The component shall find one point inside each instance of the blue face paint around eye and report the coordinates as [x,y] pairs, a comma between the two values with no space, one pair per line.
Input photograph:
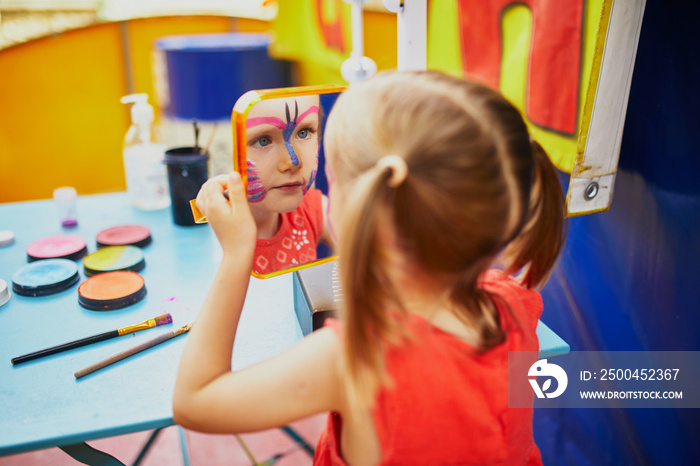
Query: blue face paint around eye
[306,188]
[288,131]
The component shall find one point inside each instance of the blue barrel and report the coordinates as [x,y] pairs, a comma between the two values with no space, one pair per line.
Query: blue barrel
[207,73]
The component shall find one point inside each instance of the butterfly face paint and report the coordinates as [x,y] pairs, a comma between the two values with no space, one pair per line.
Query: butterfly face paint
[288,128]
[282,143]
[256,190]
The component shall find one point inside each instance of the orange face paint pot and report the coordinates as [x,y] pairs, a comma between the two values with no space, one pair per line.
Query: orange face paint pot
[111,290]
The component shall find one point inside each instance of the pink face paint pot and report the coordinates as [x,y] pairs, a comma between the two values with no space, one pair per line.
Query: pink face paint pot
[112,258]
[45,277]
[111,290]
[124,235]
[65,246]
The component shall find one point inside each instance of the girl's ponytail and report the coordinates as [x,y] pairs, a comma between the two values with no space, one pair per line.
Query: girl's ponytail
[365,288]
[535,249]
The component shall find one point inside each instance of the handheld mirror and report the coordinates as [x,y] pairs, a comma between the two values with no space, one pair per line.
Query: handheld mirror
[278,150]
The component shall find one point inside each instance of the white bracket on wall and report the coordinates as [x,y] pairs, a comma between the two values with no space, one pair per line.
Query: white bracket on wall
[357,67]
[412,32]
[593,176]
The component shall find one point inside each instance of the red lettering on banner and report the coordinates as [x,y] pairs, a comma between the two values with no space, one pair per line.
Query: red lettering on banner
[332,33]
[554,61]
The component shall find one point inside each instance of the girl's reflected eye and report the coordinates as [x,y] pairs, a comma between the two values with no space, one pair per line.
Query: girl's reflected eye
[262,141]
[305,133]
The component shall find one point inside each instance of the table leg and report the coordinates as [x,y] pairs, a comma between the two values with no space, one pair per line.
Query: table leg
[85,454]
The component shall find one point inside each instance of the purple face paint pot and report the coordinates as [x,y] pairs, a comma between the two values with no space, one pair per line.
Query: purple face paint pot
[112,258]
[111,290]
[124,235]
[45,277]
[65,199]
[66,246]
[187,172]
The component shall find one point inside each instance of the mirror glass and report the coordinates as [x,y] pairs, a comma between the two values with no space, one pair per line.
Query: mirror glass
[279,152]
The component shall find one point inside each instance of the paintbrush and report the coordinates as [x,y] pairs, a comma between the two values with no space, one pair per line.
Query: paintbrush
[205,149]
[196,136]
[134,350]
[150,323]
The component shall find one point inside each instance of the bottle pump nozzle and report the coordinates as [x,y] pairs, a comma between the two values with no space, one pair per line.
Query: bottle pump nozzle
[141,111]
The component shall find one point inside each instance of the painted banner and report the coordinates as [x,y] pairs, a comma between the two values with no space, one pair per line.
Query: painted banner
[567,65]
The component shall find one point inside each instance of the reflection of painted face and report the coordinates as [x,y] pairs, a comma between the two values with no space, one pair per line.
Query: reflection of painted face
[282,151]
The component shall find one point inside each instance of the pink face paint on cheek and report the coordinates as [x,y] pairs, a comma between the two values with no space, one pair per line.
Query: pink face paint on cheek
[256,190]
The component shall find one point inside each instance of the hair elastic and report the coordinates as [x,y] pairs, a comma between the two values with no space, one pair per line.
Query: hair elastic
[399,169]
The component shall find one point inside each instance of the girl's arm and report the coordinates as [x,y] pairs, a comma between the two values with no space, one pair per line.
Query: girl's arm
[208,396]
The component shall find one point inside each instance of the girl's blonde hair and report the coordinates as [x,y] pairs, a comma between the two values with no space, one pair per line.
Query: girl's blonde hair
[475,189]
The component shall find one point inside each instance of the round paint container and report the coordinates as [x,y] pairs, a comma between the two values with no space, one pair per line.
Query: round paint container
[5,294]
[112,258]
[45,277]
[7,237]
[111,290]
[65,246]
[124,235]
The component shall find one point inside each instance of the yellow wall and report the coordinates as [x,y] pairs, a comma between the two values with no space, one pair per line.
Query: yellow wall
[61,122]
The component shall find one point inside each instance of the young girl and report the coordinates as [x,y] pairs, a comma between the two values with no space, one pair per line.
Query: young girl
[432,179]
[282,156]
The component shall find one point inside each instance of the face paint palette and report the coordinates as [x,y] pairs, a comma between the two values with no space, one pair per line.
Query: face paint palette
[111,290]
[124,235]
[113,258]
[65,246]
[45,277]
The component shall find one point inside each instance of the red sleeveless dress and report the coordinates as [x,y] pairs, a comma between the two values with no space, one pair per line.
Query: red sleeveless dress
[449,405]
[296,240]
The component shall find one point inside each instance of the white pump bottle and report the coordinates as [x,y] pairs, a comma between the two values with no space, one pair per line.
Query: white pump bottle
[146,175]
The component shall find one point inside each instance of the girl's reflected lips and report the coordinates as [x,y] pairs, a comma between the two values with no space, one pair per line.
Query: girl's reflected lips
[289,187]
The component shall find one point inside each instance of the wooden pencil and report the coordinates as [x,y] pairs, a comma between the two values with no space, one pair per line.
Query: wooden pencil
[136,349]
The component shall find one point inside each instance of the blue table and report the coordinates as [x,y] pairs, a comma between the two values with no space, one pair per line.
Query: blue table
[41,403]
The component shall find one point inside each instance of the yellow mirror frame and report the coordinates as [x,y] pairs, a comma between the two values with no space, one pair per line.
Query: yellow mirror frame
[239,116]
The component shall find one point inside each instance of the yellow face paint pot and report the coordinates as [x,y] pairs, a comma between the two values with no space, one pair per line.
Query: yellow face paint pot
[113,258]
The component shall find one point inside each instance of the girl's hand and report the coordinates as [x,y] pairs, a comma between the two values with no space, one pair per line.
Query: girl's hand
[231,219]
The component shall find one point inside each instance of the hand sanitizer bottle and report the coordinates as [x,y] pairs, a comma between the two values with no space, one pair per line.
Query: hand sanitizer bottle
[146,175]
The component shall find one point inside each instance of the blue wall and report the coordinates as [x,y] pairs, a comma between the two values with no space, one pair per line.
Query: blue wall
[629,278]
